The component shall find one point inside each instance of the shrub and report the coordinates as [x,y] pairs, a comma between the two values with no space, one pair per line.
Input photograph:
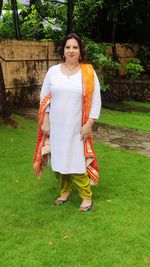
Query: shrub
[105,66]
[133,68]
[7,28]
[111,68]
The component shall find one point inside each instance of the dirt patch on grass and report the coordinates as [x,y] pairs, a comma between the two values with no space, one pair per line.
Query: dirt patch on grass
[123,137]
[112,135]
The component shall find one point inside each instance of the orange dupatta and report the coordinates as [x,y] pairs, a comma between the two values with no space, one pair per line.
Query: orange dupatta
[87,92]
[40,160]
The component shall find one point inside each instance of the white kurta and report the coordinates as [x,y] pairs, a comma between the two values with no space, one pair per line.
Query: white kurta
[65,113]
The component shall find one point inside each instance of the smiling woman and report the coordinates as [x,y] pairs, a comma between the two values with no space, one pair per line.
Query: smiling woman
[71,57]
[70,102]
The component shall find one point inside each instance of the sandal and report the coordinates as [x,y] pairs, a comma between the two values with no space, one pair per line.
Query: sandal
[60,202]
[88,208]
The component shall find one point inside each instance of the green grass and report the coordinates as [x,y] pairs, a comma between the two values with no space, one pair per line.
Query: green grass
[138,104]
[36,233]
[134,120]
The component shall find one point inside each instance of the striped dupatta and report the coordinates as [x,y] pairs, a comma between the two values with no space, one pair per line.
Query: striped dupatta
[40,159]
[87,92]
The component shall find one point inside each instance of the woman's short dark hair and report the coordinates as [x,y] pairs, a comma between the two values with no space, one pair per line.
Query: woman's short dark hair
[80,43]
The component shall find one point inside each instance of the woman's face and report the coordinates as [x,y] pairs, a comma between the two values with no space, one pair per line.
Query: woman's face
[72,51]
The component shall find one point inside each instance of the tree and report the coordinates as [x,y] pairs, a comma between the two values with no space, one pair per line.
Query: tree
[101,20]
[3,105]
[1,5]
[2,85]
[70,16]
[16,18]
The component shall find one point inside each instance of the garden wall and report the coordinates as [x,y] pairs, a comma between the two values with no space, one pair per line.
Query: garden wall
[122,89]
[124,53]
[24,65]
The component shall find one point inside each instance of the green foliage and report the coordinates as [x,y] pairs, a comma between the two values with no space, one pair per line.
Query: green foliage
[103,84]
[117,7]
[134,14]
[55,16]
[87,19]
[32,25]
[96,53]
[98,56]
[133,68]
[111,68]
[7,30]
[85,15]
[54,34]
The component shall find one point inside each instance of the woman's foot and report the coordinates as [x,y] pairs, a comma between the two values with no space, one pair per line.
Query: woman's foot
[63,198]
[92,183]
[86,205]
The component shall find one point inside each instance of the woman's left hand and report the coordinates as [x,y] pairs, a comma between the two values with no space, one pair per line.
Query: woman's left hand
[86,130]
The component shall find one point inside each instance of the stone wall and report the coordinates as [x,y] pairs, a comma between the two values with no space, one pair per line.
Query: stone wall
[24,65]
[121,89]
[124,53]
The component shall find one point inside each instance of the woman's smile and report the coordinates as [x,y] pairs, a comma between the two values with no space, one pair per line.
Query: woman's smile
[72,51]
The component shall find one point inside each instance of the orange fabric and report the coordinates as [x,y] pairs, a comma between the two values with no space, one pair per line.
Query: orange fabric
[91,163]
[88,87]
[39,161]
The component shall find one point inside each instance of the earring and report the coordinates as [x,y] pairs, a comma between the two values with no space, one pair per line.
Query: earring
[79,58]
[64,58]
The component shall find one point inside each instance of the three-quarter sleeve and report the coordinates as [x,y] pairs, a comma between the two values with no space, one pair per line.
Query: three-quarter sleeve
[96,99]
[46,87]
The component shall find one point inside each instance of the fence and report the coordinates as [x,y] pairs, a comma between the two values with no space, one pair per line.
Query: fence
[24,65]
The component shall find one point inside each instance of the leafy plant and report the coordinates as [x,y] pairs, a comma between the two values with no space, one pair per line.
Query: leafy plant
[7,30]
[98,56]
[133,68]
[32,26]
[103,84]
[96,52]
[111,68]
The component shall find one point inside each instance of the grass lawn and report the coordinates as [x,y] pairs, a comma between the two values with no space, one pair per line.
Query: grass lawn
[135,120]
[138,104]
[36,233]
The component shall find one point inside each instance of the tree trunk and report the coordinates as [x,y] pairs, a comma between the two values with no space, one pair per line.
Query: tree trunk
[1,6]
[70,16]
[16,18]
[114,51]
[5,112]
[3,105]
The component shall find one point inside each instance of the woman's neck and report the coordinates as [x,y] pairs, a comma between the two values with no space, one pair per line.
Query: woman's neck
[71,64]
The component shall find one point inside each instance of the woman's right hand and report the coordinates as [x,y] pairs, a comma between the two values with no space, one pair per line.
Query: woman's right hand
[46,125]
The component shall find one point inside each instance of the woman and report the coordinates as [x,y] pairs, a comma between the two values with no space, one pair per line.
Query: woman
[70,102]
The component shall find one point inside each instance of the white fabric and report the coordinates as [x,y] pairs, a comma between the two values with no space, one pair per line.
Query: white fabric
[65,113]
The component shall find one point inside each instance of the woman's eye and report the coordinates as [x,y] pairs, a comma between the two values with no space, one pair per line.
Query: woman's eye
[74,47]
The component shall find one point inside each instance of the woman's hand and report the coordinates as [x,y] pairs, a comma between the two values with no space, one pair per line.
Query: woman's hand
[46,125]
[86,130]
